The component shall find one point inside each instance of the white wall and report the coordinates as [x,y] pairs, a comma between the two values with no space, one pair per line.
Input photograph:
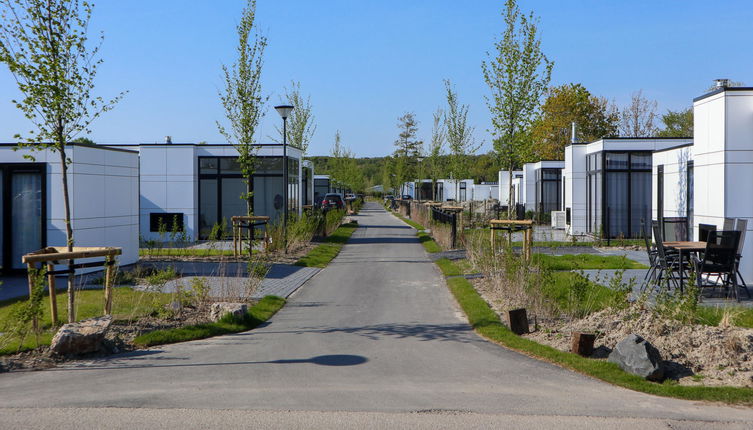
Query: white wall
[528,186]
[675,162]
[504,184]
[485,191]
[574,175]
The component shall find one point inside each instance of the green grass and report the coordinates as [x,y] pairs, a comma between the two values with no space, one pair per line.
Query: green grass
[586,261]
[257,314]
[425,238]
[327,251]
[185,252]
[557,244]
[486,322]
[448,268]
[741,316]
[127,304]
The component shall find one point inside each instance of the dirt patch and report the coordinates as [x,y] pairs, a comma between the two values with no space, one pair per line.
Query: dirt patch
[119,339]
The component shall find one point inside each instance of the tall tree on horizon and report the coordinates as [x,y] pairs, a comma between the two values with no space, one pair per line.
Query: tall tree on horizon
[677,123]
[638,119]
[436,148]
[407,147]
[242,98]
[44,43]
[518,75]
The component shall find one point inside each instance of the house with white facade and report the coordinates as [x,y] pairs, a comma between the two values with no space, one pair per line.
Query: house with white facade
[503,187]
[201,185]
[103,188]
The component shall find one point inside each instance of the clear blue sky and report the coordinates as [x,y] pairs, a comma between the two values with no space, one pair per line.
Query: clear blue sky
[364,63]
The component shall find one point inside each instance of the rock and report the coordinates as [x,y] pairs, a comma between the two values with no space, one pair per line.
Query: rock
[81,337]
[637,356]
[218,310]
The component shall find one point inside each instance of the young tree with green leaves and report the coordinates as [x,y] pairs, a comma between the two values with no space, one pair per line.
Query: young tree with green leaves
[435,166]
[459,135]
[44,44]
[407,147]
[242,98]
[518,75]
[677,123]
[301,127]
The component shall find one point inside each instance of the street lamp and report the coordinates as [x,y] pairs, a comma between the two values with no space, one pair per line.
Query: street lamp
[284,111]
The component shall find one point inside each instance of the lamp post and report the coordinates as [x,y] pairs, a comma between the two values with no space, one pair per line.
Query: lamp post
[284,111]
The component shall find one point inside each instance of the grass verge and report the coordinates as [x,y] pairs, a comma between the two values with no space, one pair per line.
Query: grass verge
[586,261]
[425,238]
[257,314]
[126,304]
[185,252]
[486,322]
[327,251]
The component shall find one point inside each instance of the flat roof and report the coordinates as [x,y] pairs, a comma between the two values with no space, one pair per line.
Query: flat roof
[674,147]
[721,90]
[84,145]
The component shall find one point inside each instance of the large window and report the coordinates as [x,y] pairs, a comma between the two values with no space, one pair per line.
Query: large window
[221,190]
[619,193]
[548,186]
[23,213]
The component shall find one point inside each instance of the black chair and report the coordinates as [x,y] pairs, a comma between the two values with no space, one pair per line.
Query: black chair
[720,259]
[741,225]
[704,230]
[675,229]
[652,257]
[729,224]
[667,264]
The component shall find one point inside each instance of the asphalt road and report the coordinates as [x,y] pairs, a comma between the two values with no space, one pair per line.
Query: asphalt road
[375,340]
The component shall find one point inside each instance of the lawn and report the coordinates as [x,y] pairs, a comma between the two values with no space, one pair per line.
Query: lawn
[126,304]
[327,251]
[585,261]
[186,252]
[425,238]
[257,314]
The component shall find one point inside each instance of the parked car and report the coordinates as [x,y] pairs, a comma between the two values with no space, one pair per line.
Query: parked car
[333,201]
[350,197]
[407,197]
[389,198]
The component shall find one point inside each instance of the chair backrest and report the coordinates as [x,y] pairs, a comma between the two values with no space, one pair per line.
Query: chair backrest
[729,224]
[659,243]
[675,229]
[721,250]
[741,226]
[646,234]
[704,230]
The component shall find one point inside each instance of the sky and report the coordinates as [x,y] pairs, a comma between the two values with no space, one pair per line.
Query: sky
[366,62]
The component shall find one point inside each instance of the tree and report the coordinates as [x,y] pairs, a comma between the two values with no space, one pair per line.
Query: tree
[566,104]
[242,99]
[459,135]
[638,118]
[407,147]
[301,127]
[44,45]
[518,75]
[677,123]
[436,148]
[344,167]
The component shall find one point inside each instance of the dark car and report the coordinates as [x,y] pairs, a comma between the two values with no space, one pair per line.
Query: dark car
[333,201]
[407,197]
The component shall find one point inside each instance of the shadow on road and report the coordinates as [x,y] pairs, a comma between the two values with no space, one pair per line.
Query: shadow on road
[424,332]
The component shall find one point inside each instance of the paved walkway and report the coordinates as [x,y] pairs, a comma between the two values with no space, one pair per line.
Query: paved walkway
[374,340]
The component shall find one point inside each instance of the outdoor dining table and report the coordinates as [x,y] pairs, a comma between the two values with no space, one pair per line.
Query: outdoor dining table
[685,246]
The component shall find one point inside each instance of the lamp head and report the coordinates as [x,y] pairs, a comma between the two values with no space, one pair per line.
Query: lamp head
[284,110]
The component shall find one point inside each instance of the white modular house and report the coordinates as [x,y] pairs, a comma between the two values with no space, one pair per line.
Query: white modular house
[607,185]
[103,186]
[708,180]
[307,183]
[200,185]
[503,189]
[539,188]
[485,191]
[322,186]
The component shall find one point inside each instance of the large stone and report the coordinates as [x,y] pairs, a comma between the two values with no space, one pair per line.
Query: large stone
[219,310]
[637,356]
[81,337]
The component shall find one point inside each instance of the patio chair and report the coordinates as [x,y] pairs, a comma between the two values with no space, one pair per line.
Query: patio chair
[720,259]
[729,224]
[741,225]
[675,229]
[652,257]
[667,264]
[704,230]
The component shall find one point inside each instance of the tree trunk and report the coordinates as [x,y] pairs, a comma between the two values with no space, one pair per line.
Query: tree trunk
[509,193]
[68,228]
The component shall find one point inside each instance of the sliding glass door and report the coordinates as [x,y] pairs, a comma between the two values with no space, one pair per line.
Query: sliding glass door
[23,212]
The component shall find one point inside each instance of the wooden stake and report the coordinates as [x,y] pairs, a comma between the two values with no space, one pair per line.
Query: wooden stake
[108,286]
[53,295]
[517,319]
[582,343]
[30,267]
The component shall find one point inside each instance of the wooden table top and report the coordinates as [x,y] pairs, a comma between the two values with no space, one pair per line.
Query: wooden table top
[686,245]
[511,222]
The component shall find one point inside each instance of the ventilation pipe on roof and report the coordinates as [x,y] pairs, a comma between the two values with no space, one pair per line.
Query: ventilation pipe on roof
[168,140]
[573,139]
[721,83]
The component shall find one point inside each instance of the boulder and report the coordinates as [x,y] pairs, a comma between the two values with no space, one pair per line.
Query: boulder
[81,337]
[218,310]
[637,356]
